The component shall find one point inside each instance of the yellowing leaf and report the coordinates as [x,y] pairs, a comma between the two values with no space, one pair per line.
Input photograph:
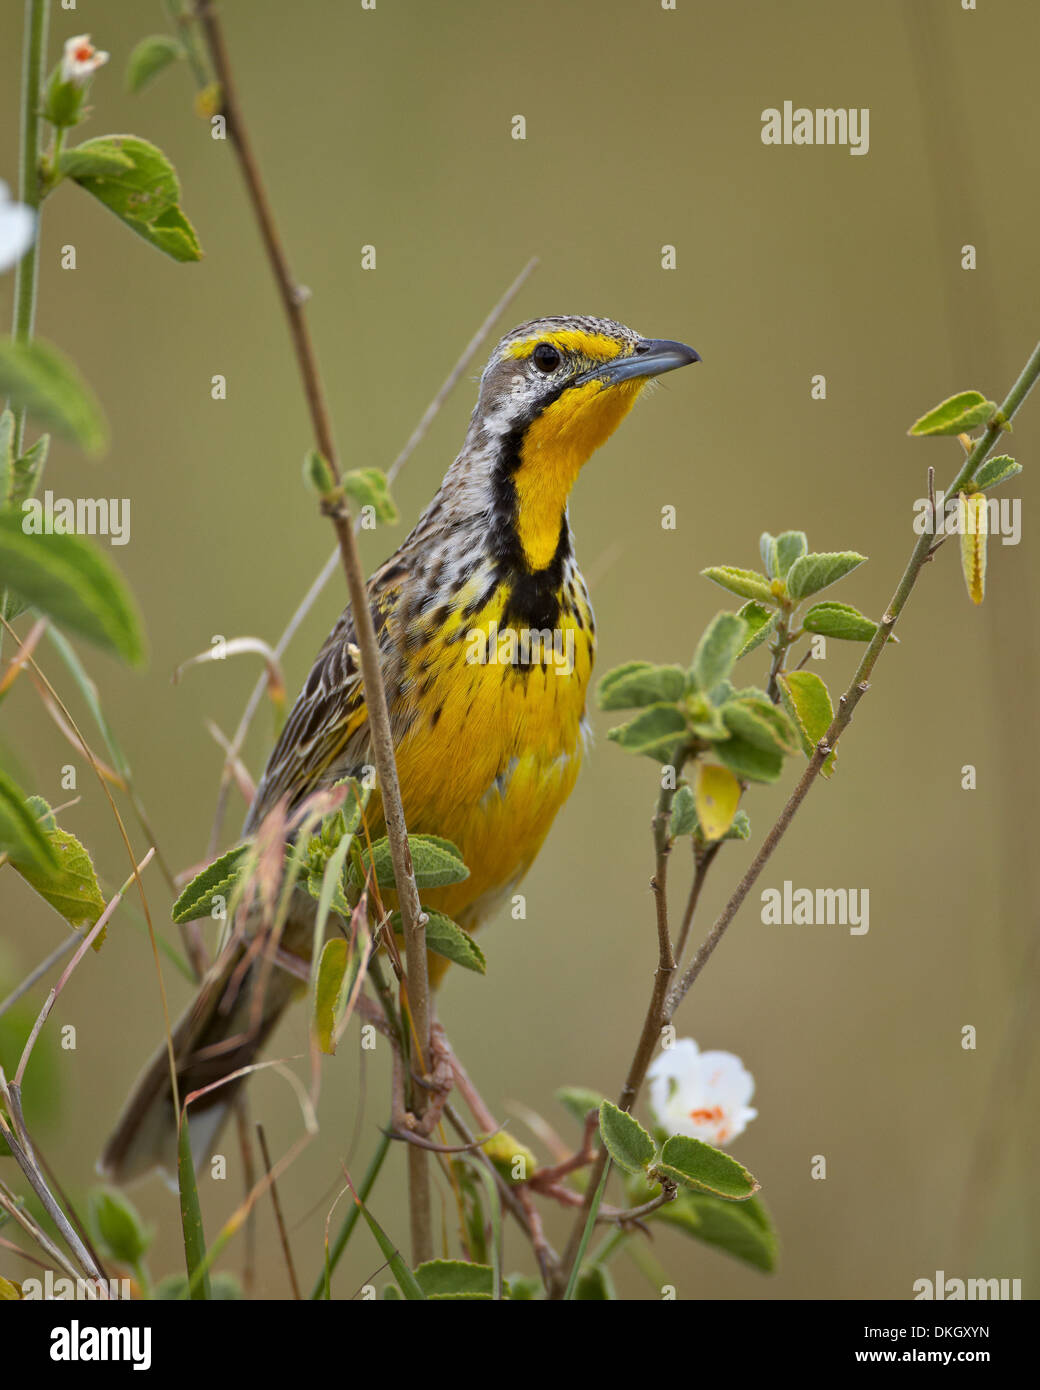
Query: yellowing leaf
[808,702]
[716,794]
[331,973]
[973,523]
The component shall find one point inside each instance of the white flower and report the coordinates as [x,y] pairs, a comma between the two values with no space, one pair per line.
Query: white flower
[702,1094]
[17,229]
[80,60]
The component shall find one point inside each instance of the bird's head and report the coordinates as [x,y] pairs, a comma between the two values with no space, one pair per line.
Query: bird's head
[554,390]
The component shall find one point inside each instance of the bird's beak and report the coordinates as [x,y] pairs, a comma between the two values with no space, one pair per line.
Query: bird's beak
[651,357]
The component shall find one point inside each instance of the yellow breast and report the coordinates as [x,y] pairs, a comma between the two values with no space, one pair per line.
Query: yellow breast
[495,744]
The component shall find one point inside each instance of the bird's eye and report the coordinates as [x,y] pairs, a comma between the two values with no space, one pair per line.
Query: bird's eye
[546,358]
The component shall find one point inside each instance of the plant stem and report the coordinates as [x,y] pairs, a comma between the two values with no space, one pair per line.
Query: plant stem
[858,686]
[412,918]
[34,56]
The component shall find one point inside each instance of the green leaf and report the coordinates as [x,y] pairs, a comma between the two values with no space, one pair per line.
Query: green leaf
[71,888]
[445,938]
[749,761]
[759,722]
[811,573]
[627,1142]
[27,470]
[7,428]
[87,161]
[149,58]
[640,683]
[741,1229]
[191,1217]
[997,470]
[718,650]
[116,1226]
[436,862]
[368,487]
[790,546]
[216,880]
[767,549]
[594,1285]
[839,620]
[746,583]
[955,415]
[41,380]
[69,581]
[455,1279]
[653,733]
[684,813]
[808,701]
[579,1100]
[740,829]
[21,837]
[523,1288]
[692,1163]
[332,969]
[760,624]
[145,197]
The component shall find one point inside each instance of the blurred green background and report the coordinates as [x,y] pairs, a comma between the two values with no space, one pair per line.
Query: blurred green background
[392,128]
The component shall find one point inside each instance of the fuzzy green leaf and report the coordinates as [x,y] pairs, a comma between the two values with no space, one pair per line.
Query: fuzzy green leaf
[579,1100]
[965,411]
[759,722]
[808,701]
[839,620]
[22,837]
[41,380]
[640,683]
[332,969]
[718,650]
[455,1279]
[811,573]
[997,470]
[684,813]
[627,1142]
[216,880]
[654,733]
[116,1226]
[790,546]
[368,487]
[68,580]
[145,197]
[749,761]
[746,583]
[741,1229]
[93,161]
[71,888]
[27,470]
[436,862]
[149,58]
[760,624]
[446,938]
[767,549]
[594,1285]
[694,1164]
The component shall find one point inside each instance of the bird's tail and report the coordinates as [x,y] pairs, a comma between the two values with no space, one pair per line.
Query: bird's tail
[238,1003]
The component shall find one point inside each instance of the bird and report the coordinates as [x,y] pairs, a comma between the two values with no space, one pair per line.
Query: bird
[488,733]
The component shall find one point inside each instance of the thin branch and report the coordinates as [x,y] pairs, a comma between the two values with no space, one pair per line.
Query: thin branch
[332,563]
[859,684]
[276,1203]
[336,507]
